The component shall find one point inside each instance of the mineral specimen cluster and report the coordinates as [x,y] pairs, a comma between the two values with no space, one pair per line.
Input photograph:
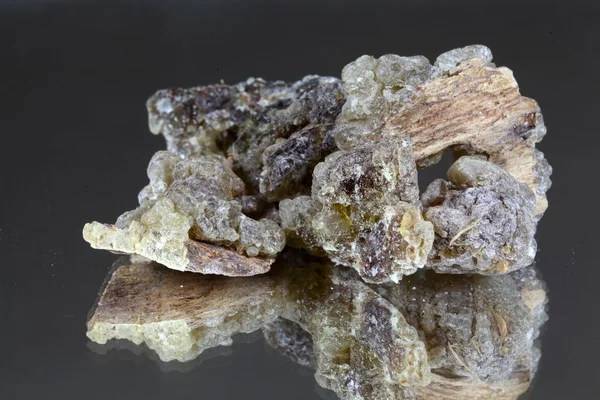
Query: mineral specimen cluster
[308,193]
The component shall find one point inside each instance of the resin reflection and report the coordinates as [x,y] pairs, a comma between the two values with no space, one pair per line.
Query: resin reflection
[430,336]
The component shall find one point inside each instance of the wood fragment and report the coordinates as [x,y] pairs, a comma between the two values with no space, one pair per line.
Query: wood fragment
[477,108]
[211,259]
[500,323]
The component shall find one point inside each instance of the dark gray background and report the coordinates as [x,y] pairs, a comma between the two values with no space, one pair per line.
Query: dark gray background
[75,144]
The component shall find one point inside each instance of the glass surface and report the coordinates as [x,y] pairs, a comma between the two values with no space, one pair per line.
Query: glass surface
[75,78]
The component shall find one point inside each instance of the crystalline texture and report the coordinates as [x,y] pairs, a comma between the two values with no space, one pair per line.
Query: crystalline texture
[480,333]
[483,218]
[450,59]
[288,164]
[188,201]
[365,211]
[245,119]
[374,87]
[156,231]
[330,166]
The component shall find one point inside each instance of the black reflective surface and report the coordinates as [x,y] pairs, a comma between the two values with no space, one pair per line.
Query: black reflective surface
[75,77]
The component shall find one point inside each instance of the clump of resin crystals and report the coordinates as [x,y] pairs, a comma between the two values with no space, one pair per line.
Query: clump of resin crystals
[330,165]
[365,211]
[388,292]
[190,200]
[484,219]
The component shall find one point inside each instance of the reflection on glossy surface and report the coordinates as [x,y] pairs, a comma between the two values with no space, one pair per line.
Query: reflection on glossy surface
[479,331]
[431,336]
[179,315]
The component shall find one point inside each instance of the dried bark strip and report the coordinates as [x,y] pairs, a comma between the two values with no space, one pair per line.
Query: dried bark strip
[479,108]
[211,259]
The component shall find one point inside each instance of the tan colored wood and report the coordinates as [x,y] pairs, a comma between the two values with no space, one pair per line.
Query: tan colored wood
[479,108]
[210,259]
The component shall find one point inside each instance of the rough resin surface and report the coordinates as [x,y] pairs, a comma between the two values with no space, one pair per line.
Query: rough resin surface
[389,292]
[462,102]
[330,165]
[365,212]
[188,203]
[252,121]
[474,326]
[484,219]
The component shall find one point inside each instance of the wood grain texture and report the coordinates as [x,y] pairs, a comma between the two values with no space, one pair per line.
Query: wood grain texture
[179,314]
[145,292]
[479,109]
[210,259]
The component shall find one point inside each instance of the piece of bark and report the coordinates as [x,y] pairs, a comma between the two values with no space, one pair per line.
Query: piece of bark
[477,108]
[179,315]
[210,259]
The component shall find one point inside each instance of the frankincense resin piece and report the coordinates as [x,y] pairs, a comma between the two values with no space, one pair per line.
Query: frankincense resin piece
[190,219]
[365,212]
[461,102]
[484,219]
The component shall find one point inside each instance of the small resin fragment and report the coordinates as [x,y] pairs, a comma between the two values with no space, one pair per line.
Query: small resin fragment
[450,59]
[484,219]
[288,164]
[296,220]
[364,349]
[189,205]
[179,315]
[364,212]
[156,231]
[244,120]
